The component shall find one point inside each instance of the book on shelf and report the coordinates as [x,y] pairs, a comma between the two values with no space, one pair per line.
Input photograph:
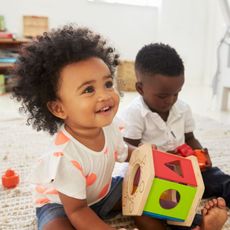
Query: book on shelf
[7,82]
[2,84]
[7,56]
[7,60]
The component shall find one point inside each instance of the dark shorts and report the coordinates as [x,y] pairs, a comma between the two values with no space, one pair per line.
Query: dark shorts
[103,208]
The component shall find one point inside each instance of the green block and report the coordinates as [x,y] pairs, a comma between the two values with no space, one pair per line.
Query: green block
[180,211]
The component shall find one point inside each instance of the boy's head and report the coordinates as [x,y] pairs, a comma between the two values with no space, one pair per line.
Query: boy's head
[73,57]
[160,76]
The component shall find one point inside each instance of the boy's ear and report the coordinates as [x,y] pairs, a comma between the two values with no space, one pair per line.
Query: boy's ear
[56,108]
[139,87]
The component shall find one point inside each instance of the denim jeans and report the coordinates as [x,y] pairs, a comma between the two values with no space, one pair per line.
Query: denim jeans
[216,184]
[103,208]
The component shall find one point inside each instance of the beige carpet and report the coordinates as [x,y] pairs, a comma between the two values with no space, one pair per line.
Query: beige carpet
[20,145]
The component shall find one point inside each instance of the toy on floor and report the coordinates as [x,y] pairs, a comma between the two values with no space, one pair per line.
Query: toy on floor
[162,185]
[10,179]
[201,154]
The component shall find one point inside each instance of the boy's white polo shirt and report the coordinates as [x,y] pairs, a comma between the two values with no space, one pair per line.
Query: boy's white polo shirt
[140,123]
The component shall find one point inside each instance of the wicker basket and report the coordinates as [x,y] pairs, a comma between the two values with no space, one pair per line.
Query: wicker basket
[34,25]
[126,76]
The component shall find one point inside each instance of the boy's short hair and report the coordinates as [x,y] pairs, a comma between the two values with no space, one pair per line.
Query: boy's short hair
[39,64]
[158,58]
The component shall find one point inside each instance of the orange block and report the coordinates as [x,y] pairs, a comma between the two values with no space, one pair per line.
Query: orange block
[10,179]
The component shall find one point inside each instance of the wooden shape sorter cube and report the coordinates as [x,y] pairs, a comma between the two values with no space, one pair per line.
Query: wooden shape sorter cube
[162,185]
[134,198]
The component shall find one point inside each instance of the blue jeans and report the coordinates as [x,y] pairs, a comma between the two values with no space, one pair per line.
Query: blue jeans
[104,208]
[216,184]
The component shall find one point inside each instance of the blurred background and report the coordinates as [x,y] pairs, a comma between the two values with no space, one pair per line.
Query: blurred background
[198,30]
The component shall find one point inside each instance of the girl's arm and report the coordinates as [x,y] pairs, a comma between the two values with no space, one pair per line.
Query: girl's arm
[81,216]
[132,145]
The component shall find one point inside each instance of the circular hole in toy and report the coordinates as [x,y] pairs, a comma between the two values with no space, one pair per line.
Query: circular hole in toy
[136,178]
[169,199]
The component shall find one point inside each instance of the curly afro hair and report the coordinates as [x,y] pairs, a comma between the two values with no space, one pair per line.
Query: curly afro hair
[40,63]
[158,58]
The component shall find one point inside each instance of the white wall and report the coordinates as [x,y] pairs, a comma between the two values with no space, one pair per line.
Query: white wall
[182,24]
[128,27]
[193,27]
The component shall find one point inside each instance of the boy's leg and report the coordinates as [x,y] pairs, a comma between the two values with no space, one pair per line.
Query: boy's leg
[216,184]
[196,222]
[214,215]
[149,223]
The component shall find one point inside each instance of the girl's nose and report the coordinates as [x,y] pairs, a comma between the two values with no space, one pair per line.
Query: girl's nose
[103,96]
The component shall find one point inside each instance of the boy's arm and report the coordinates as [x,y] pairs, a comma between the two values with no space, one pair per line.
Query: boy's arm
[81,216]
[132,142]
[192,141]
[195,144]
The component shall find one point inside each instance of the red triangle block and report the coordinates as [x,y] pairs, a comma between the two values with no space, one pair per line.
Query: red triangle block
[162,162]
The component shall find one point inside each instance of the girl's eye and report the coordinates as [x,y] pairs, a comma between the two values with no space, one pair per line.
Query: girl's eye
[89,89]
[109,84]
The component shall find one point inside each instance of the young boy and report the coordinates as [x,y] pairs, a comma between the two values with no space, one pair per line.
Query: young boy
[158,117]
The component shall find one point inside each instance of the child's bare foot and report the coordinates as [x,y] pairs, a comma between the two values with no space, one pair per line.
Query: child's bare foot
[214,215]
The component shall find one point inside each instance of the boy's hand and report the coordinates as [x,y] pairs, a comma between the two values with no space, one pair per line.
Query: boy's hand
[203,158]
[184,150]
[202,155]
[209,162]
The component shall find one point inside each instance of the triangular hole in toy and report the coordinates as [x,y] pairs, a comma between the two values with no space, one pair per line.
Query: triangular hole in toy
[175,166]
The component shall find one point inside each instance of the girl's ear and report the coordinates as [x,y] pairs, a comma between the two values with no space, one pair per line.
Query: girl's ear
[139,87]
[56,108]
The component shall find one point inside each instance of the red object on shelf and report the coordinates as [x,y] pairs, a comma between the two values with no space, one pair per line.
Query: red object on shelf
[5,35]
[10,179]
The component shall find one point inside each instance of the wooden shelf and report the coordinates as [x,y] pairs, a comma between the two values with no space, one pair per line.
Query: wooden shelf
[4,66]
[13,41]
[10,45]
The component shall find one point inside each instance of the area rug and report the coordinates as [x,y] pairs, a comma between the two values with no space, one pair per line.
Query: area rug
[20,145]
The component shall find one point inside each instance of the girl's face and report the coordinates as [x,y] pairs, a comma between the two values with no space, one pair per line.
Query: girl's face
[87,98]
[160,92]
